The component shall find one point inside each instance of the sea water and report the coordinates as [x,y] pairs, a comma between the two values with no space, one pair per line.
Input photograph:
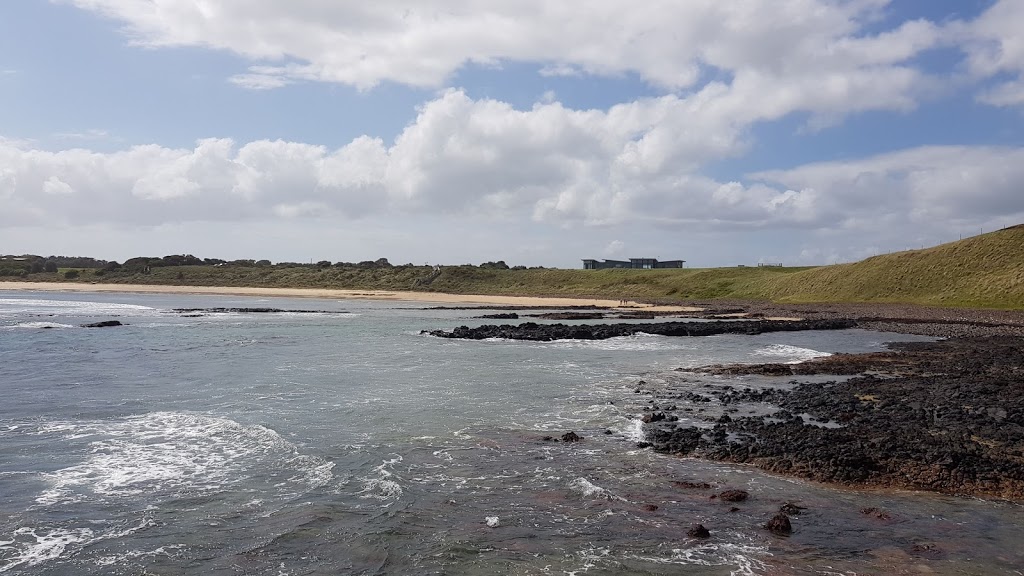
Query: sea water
[346,442]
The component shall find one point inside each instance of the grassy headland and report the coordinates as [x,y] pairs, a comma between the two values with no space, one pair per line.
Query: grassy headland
[984,271]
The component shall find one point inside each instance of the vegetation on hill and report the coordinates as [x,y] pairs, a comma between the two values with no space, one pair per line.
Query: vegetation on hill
[985,271]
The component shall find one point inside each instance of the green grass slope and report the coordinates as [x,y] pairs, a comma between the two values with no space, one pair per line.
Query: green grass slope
[984,271]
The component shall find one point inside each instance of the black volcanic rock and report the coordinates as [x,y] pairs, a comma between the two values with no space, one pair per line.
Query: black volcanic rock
[944,416]
[104,324]
[779,524]
[546,332]
[698,531]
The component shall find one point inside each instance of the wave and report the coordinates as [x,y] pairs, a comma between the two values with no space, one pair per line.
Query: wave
[743,558]
[790,354]
[171,454]
[41,325]
[634,343]
[31,546]
[382,487]
[70,307]
[589,489]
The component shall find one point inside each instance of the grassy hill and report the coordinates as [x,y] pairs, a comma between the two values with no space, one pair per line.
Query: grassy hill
[984,271]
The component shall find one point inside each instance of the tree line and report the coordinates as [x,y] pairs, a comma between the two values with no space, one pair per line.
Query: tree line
[26,264]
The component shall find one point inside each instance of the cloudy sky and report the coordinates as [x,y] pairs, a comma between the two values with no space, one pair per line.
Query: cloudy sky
[534,131]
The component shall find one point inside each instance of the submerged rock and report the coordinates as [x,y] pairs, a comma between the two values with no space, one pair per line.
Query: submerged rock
[571,437]
[104,324]
[698,531]
[779,524]
[734,495]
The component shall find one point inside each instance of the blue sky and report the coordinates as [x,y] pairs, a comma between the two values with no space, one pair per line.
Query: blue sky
[811,131]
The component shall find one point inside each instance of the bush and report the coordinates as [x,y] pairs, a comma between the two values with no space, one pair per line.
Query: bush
[71,274]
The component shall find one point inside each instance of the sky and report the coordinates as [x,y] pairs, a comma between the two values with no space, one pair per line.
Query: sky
[534,132]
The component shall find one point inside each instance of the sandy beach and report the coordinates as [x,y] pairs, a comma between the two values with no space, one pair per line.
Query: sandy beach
[432,297]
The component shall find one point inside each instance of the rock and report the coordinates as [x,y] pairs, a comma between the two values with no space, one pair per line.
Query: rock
[779,524]
[649,507]
[531,331]
[492,521]
[698,531]
[791,509]
[502,316]
[571,437]
[653,417]
[104,324]
[734,495]
[876,513]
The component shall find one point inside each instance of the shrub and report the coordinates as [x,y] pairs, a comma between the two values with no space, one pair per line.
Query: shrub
[71,274]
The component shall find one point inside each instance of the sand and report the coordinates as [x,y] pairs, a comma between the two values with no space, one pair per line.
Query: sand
[432,297]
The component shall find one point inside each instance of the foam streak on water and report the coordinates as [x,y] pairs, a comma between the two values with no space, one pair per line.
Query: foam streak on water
[165,454]
[787,354]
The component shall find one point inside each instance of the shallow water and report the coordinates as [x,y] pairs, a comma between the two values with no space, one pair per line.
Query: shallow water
[349,443]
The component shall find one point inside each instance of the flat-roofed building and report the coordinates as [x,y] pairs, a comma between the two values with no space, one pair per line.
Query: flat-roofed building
[632,263]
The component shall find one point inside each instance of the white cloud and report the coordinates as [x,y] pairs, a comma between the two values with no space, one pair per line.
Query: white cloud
[615,249]
[92,134]
[995,46]
[636,163]
[929,187]
[56,187]
[423,42]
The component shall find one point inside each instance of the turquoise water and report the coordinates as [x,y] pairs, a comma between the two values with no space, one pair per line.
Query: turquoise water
[348,443]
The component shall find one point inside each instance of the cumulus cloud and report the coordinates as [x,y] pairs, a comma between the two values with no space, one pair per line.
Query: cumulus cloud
[927,187]
[995,47]
[639,162]
[423,42]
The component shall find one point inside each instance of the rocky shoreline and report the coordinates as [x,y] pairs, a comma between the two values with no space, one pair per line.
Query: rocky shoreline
[943,416]
[532,331]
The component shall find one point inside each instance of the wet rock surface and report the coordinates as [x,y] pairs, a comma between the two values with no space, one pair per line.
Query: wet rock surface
[547,332]
[104,324]
[943,416]
[779,524]
[698,531]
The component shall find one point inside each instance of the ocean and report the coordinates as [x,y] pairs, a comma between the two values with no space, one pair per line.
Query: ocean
[342,441]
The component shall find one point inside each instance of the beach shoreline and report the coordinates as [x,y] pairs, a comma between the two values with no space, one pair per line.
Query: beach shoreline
[341,294]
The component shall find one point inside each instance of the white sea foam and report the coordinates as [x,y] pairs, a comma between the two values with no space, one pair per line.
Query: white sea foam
[790,354]
[589,489]
[744,558]
[165,454]
[41,325]
[70,307]
[382,486]
[634,431]
[635,343]
[32,546]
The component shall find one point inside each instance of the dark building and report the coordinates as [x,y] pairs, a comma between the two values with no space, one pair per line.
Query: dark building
[632,263]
